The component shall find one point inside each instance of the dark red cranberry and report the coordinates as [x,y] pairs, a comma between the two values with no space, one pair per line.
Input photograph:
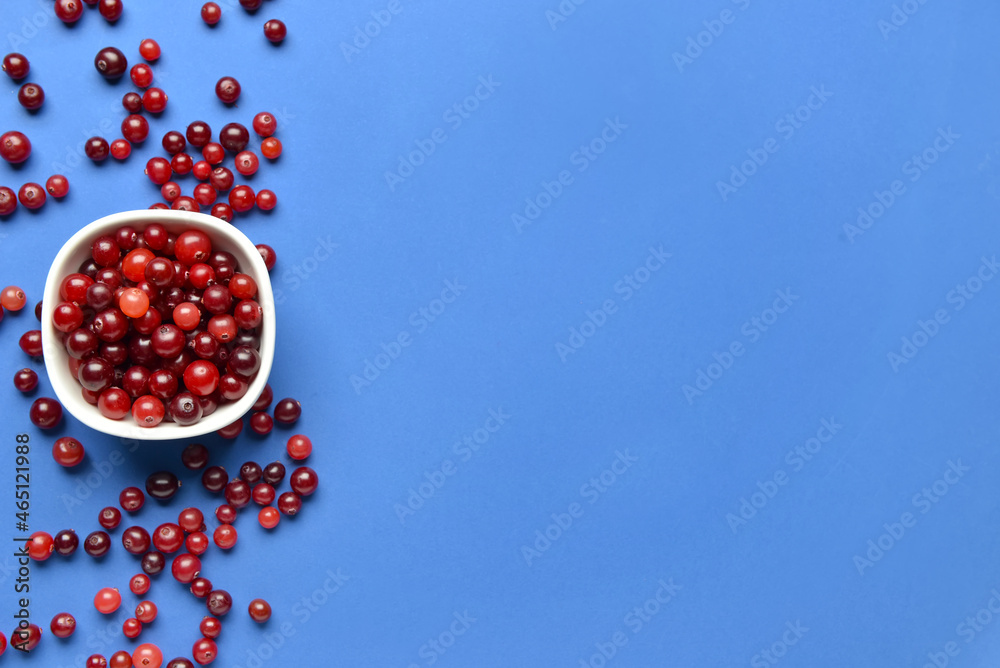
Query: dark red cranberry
[162,485]
[111,63]
[65,542]
[275,31]
[132,102]
[174,142]
[153,562]
[45,413]
[251,473]
[287,411]
[16,66]
[214,479]
[195,456]
[228,89]
[234,137]
[31,96]
[97,544]
[274,473]
[219,602]
[136,540]
[304,481]
[111,10]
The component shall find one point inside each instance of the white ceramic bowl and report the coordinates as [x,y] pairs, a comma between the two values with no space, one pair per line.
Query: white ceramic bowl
[224,237]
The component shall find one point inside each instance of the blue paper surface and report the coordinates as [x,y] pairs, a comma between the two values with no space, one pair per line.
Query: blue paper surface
[627,334]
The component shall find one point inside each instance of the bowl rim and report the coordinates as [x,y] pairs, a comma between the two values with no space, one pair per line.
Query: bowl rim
[55,355]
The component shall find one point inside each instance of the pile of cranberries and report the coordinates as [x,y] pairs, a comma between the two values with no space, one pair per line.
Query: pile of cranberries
[161,326]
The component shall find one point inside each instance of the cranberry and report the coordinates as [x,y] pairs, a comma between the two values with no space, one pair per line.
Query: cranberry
[65,542]
[182,164]
[16,66]
[287,411]
[228,89]
[234,137]
[26,638]
[266,200]
[198,134]
[274,473]
[204,651]
[269,517]
[131,499]
[109,517]
[14,147]
[8,203]
[242,198]
[162,485]
[214,479]
[97,544]
[238,493]
[153,562]
[148,654]
[224,536]
[251,5]
[141,75]
[190,519]
[111,10]
[97,149]
[185,409]
[45,413]
[159,170]
[223,211]
[111,62]
[136,540]
[304,481]
[69,11]
[213,153]
[25,380]
[132,102]
[68,451]
[149,49]
[174,142]
[226,514]
[135,128]
[275,31]
[120,149]
[263,494]
[221,179]
[185,567]
[271,148]
[201,587]
[31,96]
[268,255]
[265,124]
[210,627]
[219,602]
[299,447]
[63,625]
[195,456]
[289,503]
[139,584]
[154,100]
[148,411]
[196,543]
[211,13]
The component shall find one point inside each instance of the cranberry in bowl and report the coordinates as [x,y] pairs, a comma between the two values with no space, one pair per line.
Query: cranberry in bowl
[158,325]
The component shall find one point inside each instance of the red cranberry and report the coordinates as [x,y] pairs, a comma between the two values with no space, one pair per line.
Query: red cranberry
[287,411]
[234,137]
[199,133]
[154,100]
[16,66]
[275,31]
[162,485]
[25,380]
[304,481]
[31,96]
[135,129]
[228,89]
[111,10]
[219,602]
[97,544]
[14,147]
[8,203]
[45,413]
[289,503]
[65,542]
[149,49]
[136,540]
[69,11]
[211,13]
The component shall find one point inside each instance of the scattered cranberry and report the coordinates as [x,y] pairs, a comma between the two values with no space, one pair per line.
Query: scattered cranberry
[153,562]
[121,149]
[213,153]
[69,11]
[121,659]
[14,147]
[26,638]
[195,456]
[304,481]
[147,654]
[31,96]
[231,430]
[247,163]
[287,411]
[275,31]
[204,651]
[223,211]
[242,198]
[269,517]
[289,503]
[57,185]
[25,380]
[97,544]
[154,100]
[211,13]
[299,447]
[111,63]
[185,568]
[174,142]
[234,137]
[45,413]
[199,133]
[107,600]
[210,627]
[31,195]
[265,124]
[8,203]
[97,149]
[111,10]
[132,102]
[268,255]
[139,584]
[162,485]
[39,546]
[149,49]
[136,541]
[270,148]
[141,75]
[228,90]
[182,164]
[273,473]
[68,451]
[266,200]
[226,514]
[260,610]
[65,542]
[201,587]
[131,627]
[109,517]
[63,625]
[219,602]
[16,66]
[131,499]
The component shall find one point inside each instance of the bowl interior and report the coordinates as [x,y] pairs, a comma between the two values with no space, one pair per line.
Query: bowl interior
[77,250]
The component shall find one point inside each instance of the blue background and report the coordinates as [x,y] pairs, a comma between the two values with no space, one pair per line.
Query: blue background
[747,559]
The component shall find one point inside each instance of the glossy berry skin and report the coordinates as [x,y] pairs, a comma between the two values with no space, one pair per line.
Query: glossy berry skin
[162,485]
[204,651]
[268,255]
[260,610]
[139,584]
[147,655]
[111,10]
[299,447]
[274,473]
[211,13]
[168,537]
[132,102]
[8,203]
[266,200]
[121,149]
[39,546]
[173,142]
[57,185]
[251,5]
[219,602]
[135,128]
[198,134]
[136,540]
[120,659]
[65,542]
[265,124]
[107,600]
[196,543]
[141,75]
[304,481]
[26,639]
[69,11]
[201,587]
[26,380]
[275,31]
[228,90]
[210,627]
[234,137]
[214,479]
[131,627]
[271,148]
[225,536]
[242,198]
[154,100]
[45,413]
[63,625]
[97,544]
[185,567]
[16,66]
[153,562]
[131,499]
[97,149]
[31,96]
[226,514]
[109,518]
[111,63]
[261,423]
[148,411]
[149,49]
[15,147]
[31,343]
[159,170]
[269,517]
[287,411]
[68,451]
[247,163]
[289,503]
